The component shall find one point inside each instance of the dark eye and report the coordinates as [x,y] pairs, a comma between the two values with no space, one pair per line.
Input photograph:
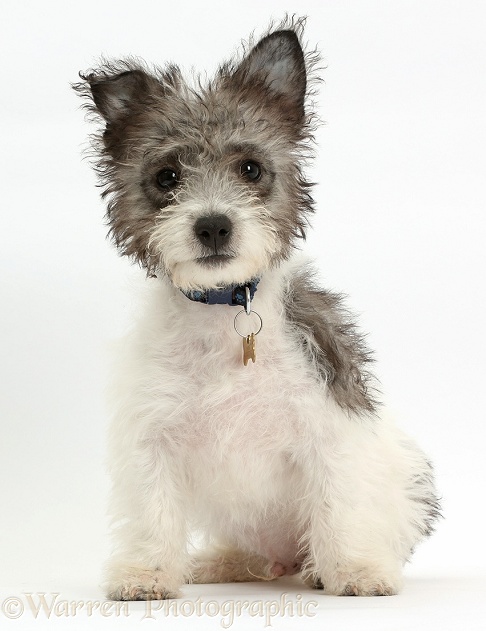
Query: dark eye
[167,178]
[251,170]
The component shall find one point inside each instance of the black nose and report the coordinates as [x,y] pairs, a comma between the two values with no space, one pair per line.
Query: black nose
[213,231]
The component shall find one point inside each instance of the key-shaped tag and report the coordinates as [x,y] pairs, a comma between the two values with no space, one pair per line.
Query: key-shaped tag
[249,348]
[249,341]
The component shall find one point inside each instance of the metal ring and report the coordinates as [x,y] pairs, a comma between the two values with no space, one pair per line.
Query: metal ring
[253,312]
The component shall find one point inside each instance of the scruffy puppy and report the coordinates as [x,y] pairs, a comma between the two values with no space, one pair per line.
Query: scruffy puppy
[284,464]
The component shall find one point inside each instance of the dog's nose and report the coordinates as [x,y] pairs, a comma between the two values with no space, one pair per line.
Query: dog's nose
[213,231]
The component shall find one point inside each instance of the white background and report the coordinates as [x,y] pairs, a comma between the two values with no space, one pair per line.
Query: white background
[400,228]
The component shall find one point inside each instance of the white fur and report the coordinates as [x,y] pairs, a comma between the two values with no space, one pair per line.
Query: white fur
[260,459]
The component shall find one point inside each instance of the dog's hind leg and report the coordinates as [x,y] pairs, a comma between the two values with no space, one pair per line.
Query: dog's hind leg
[219,564]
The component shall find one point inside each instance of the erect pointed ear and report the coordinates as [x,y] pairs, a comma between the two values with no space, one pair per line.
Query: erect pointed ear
[118,94]
[277,62]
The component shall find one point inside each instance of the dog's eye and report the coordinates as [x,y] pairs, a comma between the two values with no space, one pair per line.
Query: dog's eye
[251,170]
[167,178]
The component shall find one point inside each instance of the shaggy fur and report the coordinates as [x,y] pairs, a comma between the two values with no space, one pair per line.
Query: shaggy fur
[284,466]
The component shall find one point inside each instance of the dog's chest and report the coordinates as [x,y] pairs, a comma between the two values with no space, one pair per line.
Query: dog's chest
[229,408]
[239,422]
[234,427]
[227,395]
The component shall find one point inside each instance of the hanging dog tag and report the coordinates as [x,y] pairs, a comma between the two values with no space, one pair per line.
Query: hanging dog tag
[249,349]
[249,341]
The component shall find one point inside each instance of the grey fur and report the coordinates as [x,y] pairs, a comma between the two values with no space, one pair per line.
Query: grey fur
[421,491]
[152,117]
[332,343]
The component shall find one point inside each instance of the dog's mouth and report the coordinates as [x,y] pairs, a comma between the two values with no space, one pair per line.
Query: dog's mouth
[213,260]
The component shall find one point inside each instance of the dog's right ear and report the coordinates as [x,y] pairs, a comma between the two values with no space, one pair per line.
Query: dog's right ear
[116,95]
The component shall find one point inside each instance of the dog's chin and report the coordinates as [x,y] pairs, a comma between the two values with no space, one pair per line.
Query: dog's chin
[213,272]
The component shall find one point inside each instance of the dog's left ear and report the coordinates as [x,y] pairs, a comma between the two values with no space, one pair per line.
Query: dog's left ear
[277,64]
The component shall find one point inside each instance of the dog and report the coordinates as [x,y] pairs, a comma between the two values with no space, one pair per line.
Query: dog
[246,409]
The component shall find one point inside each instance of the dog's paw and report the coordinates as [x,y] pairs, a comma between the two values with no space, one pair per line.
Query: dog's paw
[362,583]
[142,584]
[370,587]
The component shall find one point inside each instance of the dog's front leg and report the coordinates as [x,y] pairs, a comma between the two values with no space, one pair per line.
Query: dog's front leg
[151,540]
[350,540]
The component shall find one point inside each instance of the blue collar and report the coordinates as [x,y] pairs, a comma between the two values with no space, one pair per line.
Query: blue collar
[234,295]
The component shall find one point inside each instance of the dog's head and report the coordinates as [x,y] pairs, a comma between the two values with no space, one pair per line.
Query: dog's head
[206,185]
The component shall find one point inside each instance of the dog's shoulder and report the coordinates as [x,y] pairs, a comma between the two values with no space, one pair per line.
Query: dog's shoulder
[331,339]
